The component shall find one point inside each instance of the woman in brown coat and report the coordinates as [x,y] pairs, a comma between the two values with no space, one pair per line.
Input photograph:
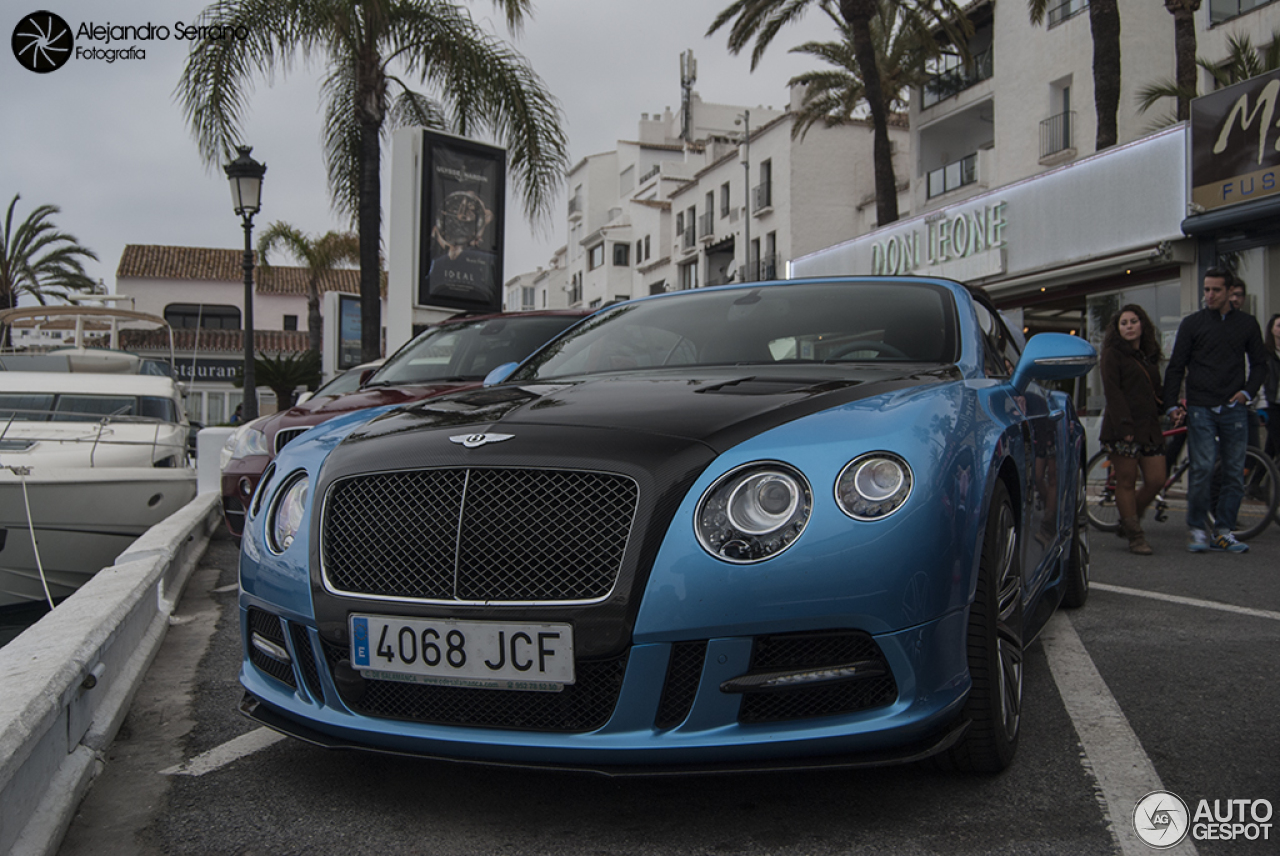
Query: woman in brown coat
[1130,431]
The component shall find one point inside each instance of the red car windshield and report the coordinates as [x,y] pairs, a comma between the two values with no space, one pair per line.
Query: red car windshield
[468,350]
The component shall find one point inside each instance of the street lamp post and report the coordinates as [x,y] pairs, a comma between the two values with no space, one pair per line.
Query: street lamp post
[745,119]
[245,175]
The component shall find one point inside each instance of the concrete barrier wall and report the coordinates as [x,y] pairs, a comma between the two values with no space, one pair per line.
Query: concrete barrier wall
[67,682]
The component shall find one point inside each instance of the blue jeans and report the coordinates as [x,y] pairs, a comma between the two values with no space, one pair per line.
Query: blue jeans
[1212,436]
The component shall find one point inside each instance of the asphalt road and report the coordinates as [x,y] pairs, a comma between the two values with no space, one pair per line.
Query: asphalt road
[1167,675]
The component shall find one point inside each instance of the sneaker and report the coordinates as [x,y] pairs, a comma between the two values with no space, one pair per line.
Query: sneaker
[1198,541]
[1226,542]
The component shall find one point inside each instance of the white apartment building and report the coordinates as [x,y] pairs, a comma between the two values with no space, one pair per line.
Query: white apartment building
[662,213]
[1008,190]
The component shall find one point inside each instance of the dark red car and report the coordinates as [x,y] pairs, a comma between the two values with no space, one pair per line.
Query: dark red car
[454,355]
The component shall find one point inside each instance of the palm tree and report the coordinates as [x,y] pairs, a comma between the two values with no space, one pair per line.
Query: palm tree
[319,256]
[1184,48]
[283,374]
[1104,27]
[760,20]
[1242,62]
[38,260]
[479,84]
[835,96]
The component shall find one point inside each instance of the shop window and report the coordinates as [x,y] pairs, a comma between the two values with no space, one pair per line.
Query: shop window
[189,316]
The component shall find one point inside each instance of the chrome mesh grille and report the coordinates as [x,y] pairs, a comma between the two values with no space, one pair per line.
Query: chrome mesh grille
[483,534]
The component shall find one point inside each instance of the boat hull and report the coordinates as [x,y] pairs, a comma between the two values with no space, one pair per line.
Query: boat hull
[82,520]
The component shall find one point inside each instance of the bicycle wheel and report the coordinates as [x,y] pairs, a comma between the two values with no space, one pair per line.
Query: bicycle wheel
[1261,494]
[1100,493]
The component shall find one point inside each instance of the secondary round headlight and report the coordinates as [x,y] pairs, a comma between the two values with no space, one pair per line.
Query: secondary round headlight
[753,512]
[873,486]
[286,515]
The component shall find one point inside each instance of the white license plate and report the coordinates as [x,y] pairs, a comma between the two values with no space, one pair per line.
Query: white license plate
[479,654]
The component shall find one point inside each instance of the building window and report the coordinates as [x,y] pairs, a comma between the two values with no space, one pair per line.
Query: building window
[595,304]
[1221,10]
[188,316]
[527,298]
[639,251]
[951,75]
[646,247]
[621,255]
[724,200]
[953,175]
[688,276]
[291,322]
[575,289]
[769,263]
[595,257]
[659,287]
[1064,10]
[763,193]
[680,223]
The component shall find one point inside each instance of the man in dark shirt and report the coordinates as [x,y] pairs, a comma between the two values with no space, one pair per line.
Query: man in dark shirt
[1210,351]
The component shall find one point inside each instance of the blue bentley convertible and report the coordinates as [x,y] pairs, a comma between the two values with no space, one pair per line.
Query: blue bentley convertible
[811,522]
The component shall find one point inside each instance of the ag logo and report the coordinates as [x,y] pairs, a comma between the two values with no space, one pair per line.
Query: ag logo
[1161,819]
[42,42]
[471,441]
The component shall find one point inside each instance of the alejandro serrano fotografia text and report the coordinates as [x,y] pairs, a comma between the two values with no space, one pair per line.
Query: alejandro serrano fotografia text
[157,33]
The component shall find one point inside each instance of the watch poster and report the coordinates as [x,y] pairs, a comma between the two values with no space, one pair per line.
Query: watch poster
[463,201]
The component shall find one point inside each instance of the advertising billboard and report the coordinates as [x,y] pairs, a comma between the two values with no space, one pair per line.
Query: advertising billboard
[1235,156]
[348,331]
[463,202]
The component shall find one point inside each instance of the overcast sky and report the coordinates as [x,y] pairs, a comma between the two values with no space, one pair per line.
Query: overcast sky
[107,143]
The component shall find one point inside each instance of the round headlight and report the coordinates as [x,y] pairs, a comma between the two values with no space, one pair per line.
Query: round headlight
[753,512]
[286,515]
[873,486]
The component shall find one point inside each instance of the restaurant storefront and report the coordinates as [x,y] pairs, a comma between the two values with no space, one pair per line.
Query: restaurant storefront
[1060,251]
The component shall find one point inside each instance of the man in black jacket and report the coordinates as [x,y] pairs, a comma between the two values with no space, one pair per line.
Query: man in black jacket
[1210,351]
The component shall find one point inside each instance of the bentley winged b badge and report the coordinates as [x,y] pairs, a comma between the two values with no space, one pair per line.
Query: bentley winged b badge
[471,441]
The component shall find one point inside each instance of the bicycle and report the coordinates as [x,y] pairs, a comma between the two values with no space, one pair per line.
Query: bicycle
[1257,508]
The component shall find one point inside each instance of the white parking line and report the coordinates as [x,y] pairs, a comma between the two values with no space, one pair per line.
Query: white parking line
[1187,601]
[1112,751]
[221,756]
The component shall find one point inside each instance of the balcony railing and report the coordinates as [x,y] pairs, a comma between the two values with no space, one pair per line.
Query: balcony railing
[1057,134]
[953,175]
[1064,10]
[761,197]
[657,168]
[575,207]
[955,80]
[707,224]
[769,267]
[688,237]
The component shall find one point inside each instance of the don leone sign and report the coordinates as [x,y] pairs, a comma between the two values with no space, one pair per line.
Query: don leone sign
[1235,143]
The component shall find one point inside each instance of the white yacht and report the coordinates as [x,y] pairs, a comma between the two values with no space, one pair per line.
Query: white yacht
[93,452]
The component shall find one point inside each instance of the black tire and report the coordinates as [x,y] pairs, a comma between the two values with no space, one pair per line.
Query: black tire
[1100,494]
[994,705]
[1076,576]
[1261,494]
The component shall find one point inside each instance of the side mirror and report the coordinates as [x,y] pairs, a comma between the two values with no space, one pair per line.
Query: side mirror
[1053,356]
[500,374]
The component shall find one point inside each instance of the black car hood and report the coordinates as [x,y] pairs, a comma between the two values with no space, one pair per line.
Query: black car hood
[719,407]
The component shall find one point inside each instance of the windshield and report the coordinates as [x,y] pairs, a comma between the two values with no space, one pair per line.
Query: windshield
[800,322]
[469,350]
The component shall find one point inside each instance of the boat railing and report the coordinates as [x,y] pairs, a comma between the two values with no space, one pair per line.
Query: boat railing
[26,427]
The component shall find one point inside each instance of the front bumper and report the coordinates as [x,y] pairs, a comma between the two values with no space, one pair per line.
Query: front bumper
[640,730]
